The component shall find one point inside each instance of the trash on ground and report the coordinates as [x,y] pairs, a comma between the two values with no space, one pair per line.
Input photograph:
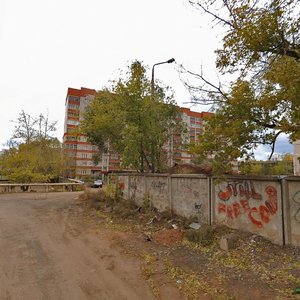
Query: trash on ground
[195,226]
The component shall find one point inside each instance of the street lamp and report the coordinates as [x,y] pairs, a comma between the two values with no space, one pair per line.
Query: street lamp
[170,151]
[171,60]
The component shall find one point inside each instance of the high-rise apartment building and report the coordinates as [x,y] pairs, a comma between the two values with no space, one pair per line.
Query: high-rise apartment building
[80,152]
[195,125]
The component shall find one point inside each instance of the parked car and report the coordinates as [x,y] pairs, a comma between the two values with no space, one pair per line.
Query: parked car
[98,183]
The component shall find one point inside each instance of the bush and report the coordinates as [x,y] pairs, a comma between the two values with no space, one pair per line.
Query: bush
[93,199]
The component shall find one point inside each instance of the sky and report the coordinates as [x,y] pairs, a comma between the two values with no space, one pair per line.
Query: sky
[50,45]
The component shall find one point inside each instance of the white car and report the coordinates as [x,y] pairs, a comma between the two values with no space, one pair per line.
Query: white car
[98,183]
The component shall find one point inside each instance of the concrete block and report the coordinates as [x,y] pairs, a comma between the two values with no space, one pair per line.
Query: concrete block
[229,241]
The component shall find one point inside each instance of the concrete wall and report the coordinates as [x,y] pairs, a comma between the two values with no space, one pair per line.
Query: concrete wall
[137,188]
[157,189]
[190,196]
[267,206]
[292,211]
[249,204]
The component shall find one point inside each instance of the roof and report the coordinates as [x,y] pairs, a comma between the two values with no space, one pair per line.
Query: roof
[80,93]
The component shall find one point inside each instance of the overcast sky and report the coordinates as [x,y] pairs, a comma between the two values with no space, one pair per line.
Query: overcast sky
[47,46]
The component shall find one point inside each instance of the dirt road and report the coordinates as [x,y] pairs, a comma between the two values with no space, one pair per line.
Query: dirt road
[47,253]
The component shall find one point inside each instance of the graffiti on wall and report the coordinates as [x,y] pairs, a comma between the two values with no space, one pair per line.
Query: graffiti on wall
[241,198]
[134,187]
[121,185]
[158,186]
[187,189]
[296,199]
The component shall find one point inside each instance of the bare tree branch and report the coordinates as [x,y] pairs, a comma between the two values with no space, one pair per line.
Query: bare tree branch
[273,144]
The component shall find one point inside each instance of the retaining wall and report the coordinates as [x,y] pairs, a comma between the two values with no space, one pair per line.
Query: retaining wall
[267,206]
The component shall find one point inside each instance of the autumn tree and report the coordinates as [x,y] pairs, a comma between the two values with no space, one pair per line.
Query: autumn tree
[133,120]
[38,161]
[33,154]
[260,54]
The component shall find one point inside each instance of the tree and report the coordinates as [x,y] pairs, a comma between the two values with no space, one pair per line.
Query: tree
[29,128]
[33,155]
[37,161]
[282,165]
[261,51]
[132,121]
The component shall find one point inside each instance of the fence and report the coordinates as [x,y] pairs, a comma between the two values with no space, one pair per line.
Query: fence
[267,206]
[38,187]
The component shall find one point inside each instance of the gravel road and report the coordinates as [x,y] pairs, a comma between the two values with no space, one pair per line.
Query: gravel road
[45,253]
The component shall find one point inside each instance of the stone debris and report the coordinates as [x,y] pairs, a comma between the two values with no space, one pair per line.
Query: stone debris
[153,220]
[229,241]
[195,226]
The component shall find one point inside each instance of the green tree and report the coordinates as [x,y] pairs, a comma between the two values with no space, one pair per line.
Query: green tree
[261,50]
[136,122]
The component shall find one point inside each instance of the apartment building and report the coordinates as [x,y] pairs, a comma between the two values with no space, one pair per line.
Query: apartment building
[296,157]
[80,152]
[195,125]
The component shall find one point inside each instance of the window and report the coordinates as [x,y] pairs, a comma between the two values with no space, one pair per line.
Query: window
[71,138]
[72,122]
[84,155]
[71,154]
[73,114]
[73,106]
[71,146]
[74,98]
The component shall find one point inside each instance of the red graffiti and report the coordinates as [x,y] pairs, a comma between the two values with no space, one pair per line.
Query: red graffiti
[221,208]
[271,203]
[252,219]
[245,205]
[121,186]
[264,214]
[257,215]
[243,189]
[236,209]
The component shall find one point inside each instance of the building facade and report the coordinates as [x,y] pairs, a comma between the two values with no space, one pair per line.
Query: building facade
[195,126]
[80,154]
[296,157]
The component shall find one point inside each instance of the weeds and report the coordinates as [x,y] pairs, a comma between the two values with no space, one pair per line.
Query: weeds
[193,284]
[148,270]
[204,236]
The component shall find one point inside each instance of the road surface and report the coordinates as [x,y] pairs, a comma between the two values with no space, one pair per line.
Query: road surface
[47,253]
